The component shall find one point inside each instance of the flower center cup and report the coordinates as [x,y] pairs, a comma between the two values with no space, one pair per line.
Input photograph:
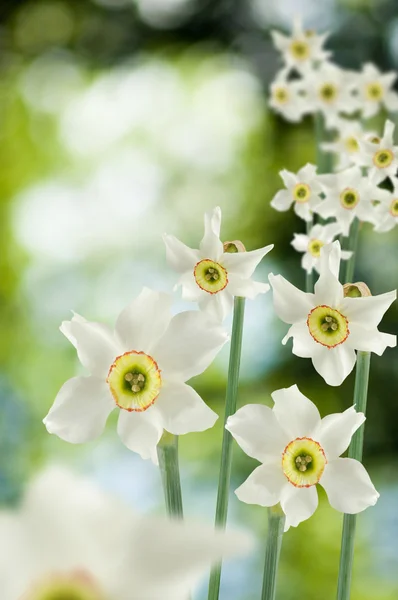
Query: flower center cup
[328,92]
[62,587]
[303,462]
[134,380]
[327,326]
[374,91]
[383,159]
[300,50]
[210,276]
[281,95]
[349,198]
[351,144]
[301,192]
[314,247]
[394,207]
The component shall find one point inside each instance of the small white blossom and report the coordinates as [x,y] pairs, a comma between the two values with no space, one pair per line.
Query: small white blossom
[346,143]
[380,155]
[298,450]
[375,90]
[328,327]
[302,190]
[311,244]
[288,97]
[387,210]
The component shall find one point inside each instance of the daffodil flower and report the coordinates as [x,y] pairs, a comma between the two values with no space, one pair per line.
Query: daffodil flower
[387,210]
[348,195]
[288,98]
[298,450]
[140,369]
[311,244]
[346,143]
[328,327]
[302,190]
[380,155]
[375,90]
[212,275]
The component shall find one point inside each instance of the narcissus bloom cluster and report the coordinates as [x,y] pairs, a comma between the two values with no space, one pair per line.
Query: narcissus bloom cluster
[380,155]
[302,190]
[299,450]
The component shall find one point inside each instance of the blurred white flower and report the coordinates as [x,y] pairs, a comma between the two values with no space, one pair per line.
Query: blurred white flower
[328,327]
[303,49]
[346,144]
[311,244]
[387,210]
[288,97]
[211,275]
[298,450]
[140,367]
[380,155]
[375,90]
[302,190]
[348,195]
[70,540]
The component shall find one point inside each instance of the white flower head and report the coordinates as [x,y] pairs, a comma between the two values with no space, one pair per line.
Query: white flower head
[349,194]
[311,244]
[375,90]
[302,190]
[328,327]
[288,98]
[212,276]
[386,211]
[71,540]
[346,144]
[140,369]
[303,49]
[380,155]
[298,450]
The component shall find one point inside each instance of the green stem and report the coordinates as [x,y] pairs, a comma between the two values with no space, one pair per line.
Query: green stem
[324,160]
[355,451]
[276,523]
[309,278]
[353,246]
[170,473]
[226,452]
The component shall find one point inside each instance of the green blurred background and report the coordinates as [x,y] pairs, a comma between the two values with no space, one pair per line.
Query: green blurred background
[123,119]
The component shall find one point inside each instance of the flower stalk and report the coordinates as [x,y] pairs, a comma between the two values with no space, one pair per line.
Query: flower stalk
[353,247]
[226,452]
[309,278]
[355,451]
[276,523]
[168,463]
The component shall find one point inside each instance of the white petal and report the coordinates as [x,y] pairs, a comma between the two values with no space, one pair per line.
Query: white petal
[304,344]
[182,410]
[296,414]
[211,245]
[298,504]
[290,303]
[217,306]
[370,340]
[303,211]
[257,431]
[326,209]
[246,288]
[288,178]
[80,410]
[263,486]
[307,174]
[348,486]
[369,310]
[190,289]
[334,364]
[282,200]
[308,262]
[328,289]
[300,242]
[329,232]
[179,256]
[141,431]
[66,328]
[189,344]
[244,263]
[334,432]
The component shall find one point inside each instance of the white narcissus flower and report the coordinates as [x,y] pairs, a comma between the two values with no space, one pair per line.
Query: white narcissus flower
[302,190]
[302,49]
[387,210]
[375,90]
[212,276]
[348,195]
[346,144]
[326,326]
[287,98]
[298,450]
[380,155]
[311,244]
[140,368]
[69,540]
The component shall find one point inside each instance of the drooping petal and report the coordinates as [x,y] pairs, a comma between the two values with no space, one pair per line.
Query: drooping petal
[290,303]
[303,211]
[369,310]
[143,322]
[282,201]
[80,410]
[246,288]
[217,306]
[211,245]
[263,486]
[179,256]
[370,340]
[348,486]
[308,262]
[334,364]
[300,242]
[244,263]
[298,504]
[304,344]
[190,343]
[182,410]
[141,431]
[257,431]
[296,414]
[328,289]
[335,431]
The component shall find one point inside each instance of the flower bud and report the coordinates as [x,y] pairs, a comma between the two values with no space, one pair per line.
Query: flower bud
[235,246]
[356,290]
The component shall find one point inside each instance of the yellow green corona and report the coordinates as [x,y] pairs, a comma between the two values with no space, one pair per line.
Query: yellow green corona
[210,276]
[301,192]
[303,462]
[135,381]
[314,248]
[349,198]
[71,587]
[327,326]
[383,158]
